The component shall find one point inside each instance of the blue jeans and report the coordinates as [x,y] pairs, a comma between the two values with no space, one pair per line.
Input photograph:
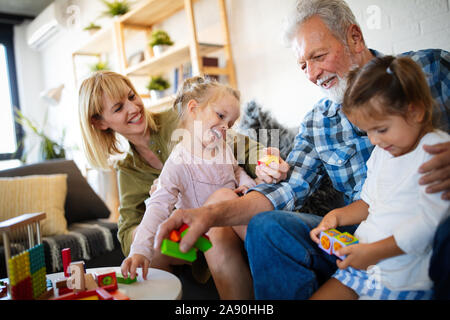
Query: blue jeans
[285,263]
[440,262]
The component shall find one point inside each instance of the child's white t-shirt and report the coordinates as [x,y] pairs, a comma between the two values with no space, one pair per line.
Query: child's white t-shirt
[399,207]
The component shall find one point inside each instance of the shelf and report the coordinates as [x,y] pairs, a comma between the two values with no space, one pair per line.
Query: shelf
[162,104]
[171,58]
[98,43]
[150,12]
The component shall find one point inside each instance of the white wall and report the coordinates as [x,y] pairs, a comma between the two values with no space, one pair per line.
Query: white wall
[266,70]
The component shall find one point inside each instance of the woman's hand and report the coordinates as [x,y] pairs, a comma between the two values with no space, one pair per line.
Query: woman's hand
[274,172]
[359,256]
[437,170]
[329,221]
[130,264]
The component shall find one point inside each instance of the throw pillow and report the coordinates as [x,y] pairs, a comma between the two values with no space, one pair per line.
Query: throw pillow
[36,193]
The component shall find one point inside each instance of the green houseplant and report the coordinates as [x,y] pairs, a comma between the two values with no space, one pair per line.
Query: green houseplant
[101,65]
[160,40]
[92,27]
[157,85]
[116,8]
[49,149]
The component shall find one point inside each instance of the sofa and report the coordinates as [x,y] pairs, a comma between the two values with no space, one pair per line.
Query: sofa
[90,236]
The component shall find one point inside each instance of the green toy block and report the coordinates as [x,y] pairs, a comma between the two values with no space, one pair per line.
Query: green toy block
[201,244]
[172,249]
[128,280]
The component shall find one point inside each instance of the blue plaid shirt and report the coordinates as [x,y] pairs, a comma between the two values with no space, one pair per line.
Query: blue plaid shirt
[328,142]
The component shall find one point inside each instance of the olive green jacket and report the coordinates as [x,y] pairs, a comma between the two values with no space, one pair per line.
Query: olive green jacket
[135,175]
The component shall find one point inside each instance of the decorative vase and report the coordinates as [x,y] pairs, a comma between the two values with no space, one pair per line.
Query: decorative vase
[159,49]
[155,95]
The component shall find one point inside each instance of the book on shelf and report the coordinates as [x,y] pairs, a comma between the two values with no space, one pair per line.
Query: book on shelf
[184,71]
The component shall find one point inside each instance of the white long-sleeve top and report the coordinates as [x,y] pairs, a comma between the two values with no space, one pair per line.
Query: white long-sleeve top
[186,181]
[400,207]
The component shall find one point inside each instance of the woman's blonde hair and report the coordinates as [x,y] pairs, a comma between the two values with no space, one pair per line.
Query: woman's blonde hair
[200,89]
[99,145]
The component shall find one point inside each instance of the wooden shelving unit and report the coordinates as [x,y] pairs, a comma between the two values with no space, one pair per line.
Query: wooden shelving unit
[143,17]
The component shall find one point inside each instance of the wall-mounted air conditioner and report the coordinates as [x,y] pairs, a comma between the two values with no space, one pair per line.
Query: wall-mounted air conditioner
[44,27]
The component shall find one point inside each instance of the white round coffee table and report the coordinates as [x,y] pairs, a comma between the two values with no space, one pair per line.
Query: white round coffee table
[160,285]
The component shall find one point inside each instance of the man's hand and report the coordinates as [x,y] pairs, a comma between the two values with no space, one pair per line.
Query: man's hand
[329,221]
[130,264]
[199,223]
[275,172]
[437,170]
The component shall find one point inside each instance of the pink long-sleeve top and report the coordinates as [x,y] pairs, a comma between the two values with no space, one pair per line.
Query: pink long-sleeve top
[186,181]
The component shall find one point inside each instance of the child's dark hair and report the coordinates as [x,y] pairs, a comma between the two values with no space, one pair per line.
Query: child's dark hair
[396,82]
[198,88]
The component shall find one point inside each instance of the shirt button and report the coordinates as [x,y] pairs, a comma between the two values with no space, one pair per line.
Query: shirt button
[340,161]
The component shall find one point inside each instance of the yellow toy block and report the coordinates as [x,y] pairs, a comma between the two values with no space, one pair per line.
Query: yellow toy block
[332,240]
[268,159]
[326,240]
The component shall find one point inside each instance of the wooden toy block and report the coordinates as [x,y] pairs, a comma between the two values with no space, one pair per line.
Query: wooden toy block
[107,280]
[203,244]
[326,240]
[76,280]
[66,259]
[122,280]
[119,295]
[343,240]
[90,282]
[172,249]
[268,159]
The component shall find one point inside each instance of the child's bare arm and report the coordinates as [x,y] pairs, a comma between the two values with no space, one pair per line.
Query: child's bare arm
[361,256]
[349,215]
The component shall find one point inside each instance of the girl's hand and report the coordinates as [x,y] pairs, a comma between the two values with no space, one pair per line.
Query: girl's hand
[329,221]
[241,189]
[359,256]
[130,264]
[275,172]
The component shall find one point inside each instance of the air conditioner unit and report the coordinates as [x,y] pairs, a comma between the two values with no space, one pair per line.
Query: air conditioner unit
[44,27]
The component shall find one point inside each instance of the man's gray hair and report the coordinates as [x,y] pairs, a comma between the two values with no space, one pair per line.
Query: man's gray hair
[336,14]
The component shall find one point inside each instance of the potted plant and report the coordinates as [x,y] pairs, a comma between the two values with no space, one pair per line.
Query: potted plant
[101,65]
[92,28]
[49,149]
[160,41]
[157,86]
[116,8]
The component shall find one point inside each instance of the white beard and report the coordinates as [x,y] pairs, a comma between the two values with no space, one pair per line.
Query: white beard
[337,92]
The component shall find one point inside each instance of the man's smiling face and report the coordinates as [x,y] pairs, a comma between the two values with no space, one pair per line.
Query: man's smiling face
[325,59]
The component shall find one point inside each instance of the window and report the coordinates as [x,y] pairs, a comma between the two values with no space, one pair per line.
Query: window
[11,133]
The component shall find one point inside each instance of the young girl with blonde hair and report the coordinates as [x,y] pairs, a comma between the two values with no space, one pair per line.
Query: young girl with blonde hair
[390,100]
[200,170]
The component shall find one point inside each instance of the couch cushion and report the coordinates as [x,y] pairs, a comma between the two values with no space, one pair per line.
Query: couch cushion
[36,193]
[82,203]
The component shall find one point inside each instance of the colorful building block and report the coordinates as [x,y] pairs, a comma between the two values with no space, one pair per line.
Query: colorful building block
[172,249]
[203,244]
[66,259]
[332,240]
[268,159]
[122,280]
[107,280]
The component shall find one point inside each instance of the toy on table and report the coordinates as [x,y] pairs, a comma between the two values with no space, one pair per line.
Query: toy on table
[82,286]
[26,269]
[171,246]
[268,159]
[332,240]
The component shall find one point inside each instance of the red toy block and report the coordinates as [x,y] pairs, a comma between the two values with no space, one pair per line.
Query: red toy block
[175,236]
[119,295]
[103,294]
[66,259]
[183,227]
[107,280]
